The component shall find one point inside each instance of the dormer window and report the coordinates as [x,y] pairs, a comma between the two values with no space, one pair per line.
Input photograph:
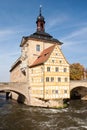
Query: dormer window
[45,54]
[37,47]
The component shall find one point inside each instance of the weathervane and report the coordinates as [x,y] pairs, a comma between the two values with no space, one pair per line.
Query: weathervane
[40,9]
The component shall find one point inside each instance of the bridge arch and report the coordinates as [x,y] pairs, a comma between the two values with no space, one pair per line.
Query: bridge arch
[78,92]
[20,91]
[14,94]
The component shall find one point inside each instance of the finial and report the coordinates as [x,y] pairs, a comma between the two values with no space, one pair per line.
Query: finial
[40,9]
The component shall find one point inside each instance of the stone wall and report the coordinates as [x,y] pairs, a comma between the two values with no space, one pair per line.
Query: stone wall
[47,103]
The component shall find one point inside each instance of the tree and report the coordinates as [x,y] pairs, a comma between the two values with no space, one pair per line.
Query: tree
[76,71]
[85,73]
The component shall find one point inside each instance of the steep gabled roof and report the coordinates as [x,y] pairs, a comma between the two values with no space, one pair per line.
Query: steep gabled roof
[40,33]
[43,57]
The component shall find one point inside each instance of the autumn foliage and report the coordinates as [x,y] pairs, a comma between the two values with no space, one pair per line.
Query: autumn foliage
[76,71]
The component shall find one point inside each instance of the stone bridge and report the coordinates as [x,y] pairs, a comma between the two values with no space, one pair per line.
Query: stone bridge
[78,89]
[20,91]
[77,83]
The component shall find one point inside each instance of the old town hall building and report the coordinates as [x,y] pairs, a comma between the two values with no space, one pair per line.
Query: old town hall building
[42,64]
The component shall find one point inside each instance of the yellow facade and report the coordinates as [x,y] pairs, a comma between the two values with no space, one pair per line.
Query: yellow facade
[51,80]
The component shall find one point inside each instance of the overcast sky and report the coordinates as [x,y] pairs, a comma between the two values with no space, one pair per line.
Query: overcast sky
[66,20]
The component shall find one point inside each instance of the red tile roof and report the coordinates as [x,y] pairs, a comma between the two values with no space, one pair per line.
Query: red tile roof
[43,57]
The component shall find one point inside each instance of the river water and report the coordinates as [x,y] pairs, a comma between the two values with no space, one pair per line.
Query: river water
[14,116]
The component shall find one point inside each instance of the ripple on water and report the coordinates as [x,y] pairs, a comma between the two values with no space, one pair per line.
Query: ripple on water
[85,126]
[71,128]
[21,117]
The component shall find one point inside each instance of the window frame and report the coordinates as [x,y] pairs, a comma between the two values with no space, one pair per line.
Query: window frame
[47,79]
[53,61]
[65,91]
[59,79]
[66,79]
[37,47]
[55,91]
[56,69]
[48,69]
[52,79]
[65,69]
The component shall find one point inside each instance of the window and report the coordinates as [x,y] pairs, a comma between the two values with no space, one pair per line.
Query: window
[48,69]
[66,79]
[37,47]
[52,79]
[46,54]
[65,69]
[59,79]
[65,91]
[54,91]
[56,54]
[53,61]
[60,61]
[47,79]
[56,69]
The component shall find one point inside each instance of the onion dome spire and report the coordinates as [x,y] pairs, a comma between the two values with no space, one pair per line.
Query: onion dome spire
[40,21]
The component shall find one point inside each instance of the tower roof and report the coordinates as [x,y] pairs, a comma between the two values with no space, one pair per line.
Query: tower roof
[40,33]
[40,17]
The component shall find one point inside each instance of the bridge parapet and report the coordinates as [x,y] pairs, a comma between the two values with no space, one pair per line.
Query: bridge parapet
[19,87]
[13,84]
[77,83]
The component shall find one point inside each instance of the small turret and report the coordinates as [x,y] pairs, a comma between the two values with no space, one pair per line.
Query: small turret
[40,22]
